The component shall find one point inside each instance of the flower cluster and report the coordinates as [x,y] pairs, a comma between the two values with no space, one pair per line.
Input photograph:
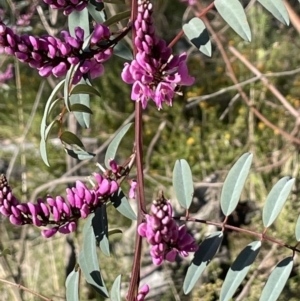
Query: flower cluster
[155,73]
[62,213]
[7,74]
[50,55]
[68,5]
[143,292]
[166,238]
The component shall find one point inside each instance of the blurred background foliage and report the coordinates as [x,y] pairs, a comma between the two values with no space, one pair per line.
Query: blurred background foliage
[210,136]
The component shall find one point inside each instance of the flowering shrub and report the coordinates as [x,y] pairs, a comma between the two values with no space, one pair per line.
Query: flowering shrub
[156,73]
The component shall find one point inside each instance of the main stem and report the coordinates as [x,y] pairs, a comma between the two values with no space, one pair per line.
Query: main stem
[135,273]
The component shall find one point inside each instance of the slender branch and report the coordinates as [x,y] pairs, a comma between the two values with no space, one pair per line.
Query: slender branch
[25,289]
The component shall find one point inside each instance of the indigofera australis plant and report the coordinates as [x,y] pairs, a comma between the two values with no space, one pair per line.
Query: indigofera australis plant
[156,74]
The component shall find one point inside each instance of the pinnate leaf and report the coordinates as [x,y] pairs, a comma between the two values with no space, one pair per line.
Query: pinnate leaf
[233,13]
[183,183]
[234,183]
[276,199]
[239,270]
[277,280]
[197,33]
[277,9]
[121,203]
[113,146]
[72,283]
[115,293]
[202,258]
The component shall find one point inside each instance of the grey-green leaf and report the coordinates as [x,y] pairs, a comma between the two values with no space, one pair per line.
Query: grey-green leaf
[82,118]
[72,283]
[202,258]
[79,154]
[96,10]
[277,280]
[121,203]
[183,183]
[88,259]
[115,293]
[118,17]
[100,226]
[197,33]
[277,9]
[234,183]
[113,146]
[78,107]
[70,139]
[297,229]
[123,51]
[233,13]
[239,270]
[81,19]
[85,89]
[276,199]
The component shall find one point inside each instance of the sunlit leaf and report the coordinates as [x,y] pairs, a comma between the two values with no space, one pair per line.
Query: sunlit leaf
[202,258]
[78,107]
[277,280]
[100,226]
[113,146]
[234,183]
[84,89]
[88,259]
[233,13]
[121,203]
[183,183]
[115,293]
[5,252]
[72,283]
[197,33]
[276,199]
[277,9]
[239,270]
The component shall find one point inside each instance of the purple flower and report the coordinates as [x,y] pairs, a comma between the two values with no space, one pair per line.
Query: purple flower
[155,73]
[166,238]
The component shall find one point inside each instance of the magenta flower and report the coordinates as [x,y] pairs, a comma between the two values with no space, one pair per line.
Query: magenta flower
[143,292]
[189,2]
[155,73]
[60,213]
[166,238]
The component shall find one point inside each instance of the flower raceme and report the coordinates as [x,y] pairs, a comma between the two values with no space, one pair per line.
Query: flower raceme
[62,213]
[50,55]
[155,73]
[68,5]
[166,238]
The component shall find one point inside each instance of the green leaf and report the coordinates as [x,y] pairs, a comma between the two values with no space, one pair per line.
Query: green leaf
[79,154]
[183,183]
[123,51]
[70,139]
[277,9]
[82,118]
[115,293]
[233,13]
[72,284]
[84,89]
[121,203]
[297,229]
[202,258]
[43,152]
[78,107]
[100,226]
[81,19]
[88,259]
[96,10]
[277,280]
[113,146]
[114,231]
[239,270]
[197,33]
[5,252]
[234,183]
[118,17]
[276,199]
